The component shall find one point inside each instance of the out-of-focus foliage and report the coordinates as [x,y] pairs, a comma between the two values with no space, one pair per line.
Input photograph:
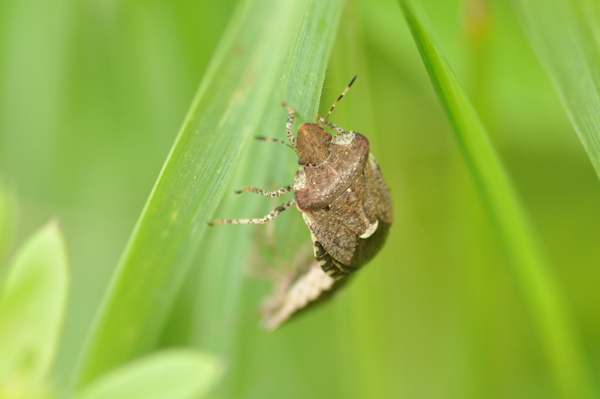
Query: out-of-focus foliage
[542,294]
[170,374]
[254,69]
[32,310]
[92,95]
[7,217]
[566,35]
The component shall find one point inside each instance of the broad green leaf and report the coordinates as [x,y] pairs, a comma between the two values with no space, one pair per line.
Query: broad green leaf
[270,52]
[171,374]
[538,284]
[566,36]
[32,309]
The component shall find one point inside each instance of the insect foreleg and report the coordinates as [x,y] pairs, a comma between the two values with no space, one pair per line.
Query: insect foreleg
[290,122]
[272,215]
[331,125]
[277,193]
[277,141]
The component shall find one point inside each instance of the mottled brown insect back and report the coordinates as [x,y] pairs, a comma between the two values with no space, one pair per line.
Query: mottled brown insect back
[353,227]
[329,178]
[345,203]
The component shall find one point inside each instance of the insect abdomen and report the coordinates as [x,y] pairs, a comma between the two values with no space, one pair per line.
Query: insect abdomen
[333,268]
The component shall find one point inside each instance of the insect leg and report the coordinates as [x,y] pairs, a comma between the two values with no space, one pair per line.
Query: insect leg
[331,125]
[272,215]
[272,194]
[276,141]
[290,122]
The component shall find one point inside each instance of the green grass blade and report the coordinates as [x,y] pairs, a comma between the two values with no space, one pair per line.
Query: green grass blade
[171,374]
[247,78]
[225,299]
[221,294]
[566,36]
[541,291]
[32,309]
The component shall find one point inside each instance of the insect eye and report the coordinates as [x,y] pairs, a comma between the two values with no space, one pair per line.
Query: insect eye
[301,161]
[327,208]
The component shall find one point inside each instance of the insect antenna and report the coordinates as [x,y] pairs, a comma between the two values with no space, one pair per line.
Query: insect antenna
[338,100]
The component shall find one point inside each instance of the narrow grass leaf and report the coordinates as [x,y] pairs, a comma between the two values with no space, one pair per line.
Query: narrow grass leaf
[171,374]
[225,316]
[540,289]
[248,71]
[221,297]
[32,309]
[265,164]
[566,36]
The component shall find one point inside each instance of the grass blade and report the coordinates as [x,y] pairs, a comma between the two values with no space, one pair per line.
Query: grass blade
[32,308]
[250,70]
[221,292]
[504,209]
[566,37]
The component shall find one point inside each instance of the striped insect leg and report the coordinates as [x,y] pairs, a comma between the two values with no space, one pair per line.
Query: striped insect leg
[255,190]
[272,215]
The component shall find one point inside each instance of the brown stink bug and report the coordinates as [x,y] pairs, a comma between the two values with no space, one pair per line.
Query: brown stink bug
[344,202]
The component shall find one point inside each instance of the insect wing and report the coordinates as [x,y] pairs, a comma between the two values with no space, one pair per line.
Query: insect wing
[379,191]
[337,239]
[355,207]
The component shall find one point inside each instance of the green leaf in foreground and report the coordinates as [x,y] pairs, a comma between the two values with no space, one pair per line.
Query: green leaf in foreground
[247,78]
[32,308]
[540,289]
[171,374]
[566,36]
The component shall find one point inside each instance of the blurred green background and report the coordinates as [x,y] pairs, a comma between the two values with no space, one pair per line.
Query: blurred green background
[92,95]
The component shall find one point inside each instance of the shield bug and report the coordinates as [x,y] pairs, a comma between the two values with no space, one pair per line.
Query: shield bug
[345,203]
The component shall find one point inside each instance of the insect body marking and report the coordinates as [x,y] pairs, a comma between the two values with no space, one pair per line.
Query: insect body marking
[370,230]
[343,139]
